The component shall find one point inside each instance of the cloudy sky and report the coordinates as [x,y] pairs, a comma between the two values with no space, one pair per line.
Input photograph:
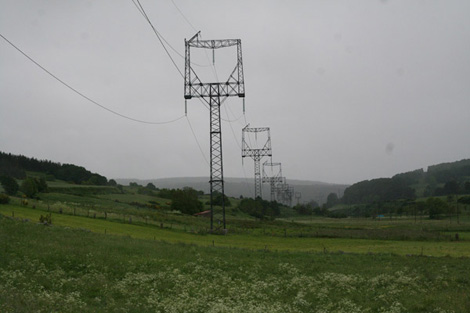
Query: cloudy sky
[351,90]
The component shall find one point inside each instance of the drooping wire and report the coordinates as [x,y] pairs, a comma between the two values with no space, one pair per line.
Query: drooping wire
[187,21]
[197,141]
[240,147]
[231,121]
[83,95]
[159,35]
[233,132]
[142,11]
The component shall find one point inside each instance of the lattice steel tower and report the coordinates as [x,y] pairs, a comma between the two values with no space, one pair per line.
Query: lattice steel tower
[298,196]
[257,152]
[284,192]
[212,93]
[273,177]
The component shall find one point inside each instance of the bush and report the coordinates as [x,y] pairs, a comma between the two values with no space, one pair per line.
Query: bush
[4,198]
[145,191]
[41,184]
[218,200]
[47,220]
[166,193]
[29,187]
[436,207]
[151,186]
[464,200]
[9,184]
[260,208]
[186,201]
[337,215]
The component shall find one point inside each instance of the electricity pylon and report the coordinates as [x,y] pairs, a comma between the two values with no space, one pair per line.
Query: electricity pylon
[212,93]
[273,176]
[257,152]
[298,196]
[290,194]
[284,192]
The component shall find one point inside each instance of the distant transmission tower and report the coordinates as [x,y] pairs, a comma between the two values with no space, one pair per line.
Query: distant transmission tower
[257,152]
[289,195]
[212,93]
[273,176]
[298,196]
[284,192]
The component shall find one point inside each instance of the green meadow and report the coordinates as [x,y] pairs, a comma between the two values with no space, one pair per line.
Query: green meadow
[72,269]
[290,240]
[108,252]
[112,249]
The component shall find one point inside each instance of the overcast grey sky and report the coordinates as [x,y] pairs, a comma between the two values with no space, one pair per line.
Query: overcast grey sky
[351,90]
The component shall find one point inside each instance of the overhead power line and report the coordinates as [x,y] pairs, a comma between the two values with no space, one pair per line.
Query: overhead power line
[160,36]
[142,11]
[83,95]
[187,21]
[197,141]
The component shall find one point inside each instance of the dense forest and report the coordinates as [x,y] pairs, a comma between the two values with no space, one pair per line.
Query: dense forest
[440,180]
[17,165]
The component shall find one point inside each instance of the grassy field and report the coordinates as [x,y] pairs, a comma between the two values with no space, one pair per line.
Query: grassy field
[128,252]
[255,241]
[59,269]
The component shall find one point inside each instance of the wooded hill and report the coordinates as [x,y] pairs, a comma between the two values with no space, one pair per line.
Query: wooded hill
[439,180]
[17,165]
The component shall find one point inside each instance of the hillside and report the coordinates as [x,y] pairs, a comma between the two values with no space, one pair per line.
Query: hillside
[17,165]
[439,180]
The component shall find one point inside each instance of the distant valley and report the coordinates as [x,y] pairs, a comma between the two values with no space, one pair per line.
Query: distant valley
[236,187]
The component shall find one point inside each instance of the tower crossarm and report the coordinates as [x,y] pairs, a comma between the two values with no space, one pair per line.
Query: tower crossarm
[195,88]
[202,90]
[213,44]
[255,129]
[259,151]
[254,153]
[277,177]
[272,180]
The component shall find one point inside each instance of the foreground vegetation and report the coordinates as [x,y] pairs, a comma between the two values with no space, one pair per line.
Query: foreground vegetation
[49,269]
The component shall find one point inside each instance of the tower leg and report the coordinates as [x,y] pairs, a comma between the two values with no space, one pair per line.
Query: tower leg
[273,189]
[216,165]
[258,186]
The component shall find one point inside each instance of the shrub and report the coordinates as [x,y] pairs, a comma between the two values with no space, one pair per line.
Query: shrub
[47,220]
[436,207]
[29,187]
[218,200]
[9,184]
[4,198]
[464,200]
[260,208]
[186,201]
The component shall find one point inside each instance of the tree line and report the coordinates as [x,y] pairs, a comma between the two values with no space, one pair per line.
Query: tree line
[16,166]
[440,180]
